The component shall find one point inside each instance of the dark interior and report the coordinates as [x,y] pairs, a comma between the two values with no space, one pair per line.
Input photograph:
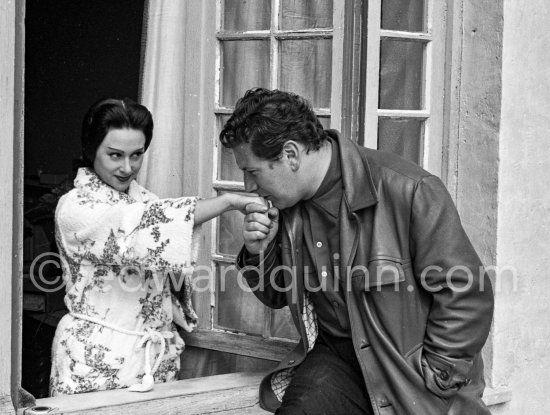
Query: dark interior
[76,52]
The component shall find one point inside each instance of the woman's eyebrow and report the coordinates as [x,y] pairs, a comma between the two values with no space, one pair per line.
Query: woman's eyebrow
[121,151]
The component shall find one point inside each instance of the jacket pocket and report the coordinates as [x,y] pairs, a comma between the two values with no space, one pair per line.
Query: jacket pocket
[414,359]
[379,273]
[389,300]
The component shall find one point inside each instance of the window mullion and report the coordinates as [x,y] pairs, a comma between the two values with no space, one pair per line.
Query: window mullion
[274,46]
[372,79]
[215,157]
[275,5]
[338,33]
[435,78]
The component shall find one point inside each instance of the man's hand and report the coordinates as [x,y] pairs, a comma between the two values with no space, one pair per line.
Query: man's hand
[260,227]
[239,201]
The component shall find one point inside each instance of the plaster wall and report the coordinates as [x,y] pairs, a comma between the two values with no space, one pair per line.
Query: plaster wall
[474,125]
[521,342]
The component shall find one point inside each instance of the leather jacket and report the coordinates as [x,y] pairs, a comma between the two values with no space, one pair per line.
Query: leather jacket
[419,301]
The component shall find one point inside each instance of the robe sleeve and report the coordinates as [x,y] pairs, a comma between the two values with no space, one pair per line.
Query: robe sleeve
[157,235]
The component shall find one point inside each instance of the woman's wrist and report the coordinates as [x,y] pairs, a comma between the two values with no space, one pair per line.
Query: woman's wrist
[230,201]
[239,201]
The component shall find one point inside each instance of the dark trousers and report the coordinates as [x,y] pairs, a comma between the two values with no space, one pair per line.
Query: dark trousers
[329,381]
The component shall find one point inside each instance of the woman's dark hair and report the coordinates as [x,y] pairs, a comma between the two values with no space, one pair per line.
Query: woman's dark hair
[110,113]
[268,118]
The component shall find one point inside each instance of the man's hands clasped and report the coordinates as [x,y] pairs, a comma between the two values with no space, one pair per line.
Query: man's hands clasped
[260,227]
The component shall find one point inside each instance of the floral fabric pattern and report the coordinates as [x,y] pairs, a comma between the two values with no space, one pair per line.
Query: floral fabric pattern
[127,259]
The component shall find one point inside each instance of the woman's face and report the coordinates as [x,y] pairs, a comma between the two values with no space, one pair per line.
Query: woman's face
[119,157]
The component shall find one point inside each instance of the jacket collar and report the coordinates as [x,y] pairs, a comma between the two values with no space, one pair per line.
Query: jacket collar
[329,194]
[359,190]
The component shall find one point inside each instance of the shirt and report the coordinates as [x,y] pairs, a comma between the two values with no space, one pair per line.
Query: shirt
[321,262]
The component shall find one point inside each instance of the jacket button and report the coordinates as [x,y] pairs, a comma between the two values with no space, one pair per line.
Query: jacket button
[291,362]
[444,375]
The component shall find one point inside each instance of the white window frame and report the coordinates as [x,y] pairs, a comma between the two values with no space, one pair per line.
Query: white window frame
[432,111]
[345,34]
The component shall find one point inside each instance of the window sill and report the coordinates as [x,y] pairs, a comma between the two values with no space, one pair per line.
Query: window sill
[230,394]
[235,393]
[496,396]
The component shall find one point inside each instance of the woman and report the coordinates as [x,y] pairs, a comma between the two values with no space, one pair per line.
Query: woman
[121,248]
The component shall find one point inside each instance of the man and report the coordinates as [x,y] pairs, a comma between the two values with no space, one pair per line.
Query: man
[368,252]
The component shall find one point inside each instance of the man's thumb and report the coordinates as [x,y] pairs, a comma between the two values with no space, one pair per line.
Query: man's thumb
[273,214]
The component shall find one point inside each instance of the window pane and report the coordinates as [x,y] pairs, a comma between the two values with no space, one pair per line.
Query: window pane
[404,15]
[325,121]
[237,308]
[282,324]
[230,232]
[242,15]
[245,64]
[401,74]
[299,14]
[401,136]
[306,69]
[227,169]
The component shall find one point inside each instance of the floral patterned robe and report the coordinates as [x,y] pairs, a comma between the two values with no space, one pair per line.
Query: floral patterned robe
[122,254]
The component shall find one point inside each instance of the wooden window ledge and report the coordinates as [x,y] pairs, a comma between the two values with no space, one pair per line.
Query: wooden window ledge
[496,396]
[231,394]
[235,393]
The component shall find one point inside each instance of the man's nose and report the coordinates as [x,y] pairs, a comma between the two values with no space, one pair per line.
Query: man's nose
[249,183]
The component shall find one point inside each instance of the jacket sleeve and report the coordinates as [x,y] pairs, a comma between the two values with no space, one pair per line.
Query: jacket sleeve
[264,275]
[449,269]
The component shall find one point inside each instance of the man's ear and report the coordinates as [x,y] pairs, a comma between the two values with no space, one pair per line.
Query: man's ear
[291,151]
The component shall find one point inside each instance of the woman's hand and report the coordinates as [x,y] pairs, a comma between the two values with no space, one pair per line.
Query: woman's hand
[239,201]
[207,209]
[260,222]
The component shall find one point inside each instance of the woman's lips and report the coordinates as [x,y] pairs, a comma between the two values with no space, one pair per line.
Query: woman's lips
[123,179]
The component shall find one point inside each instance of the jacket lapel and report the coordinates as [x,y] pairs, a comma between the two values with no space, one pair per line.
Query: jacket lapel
[349,238]
[359,193]
[359,188]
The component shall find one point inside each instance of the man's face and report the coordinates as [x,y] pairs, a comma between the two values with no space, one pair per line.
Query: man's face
[274,180]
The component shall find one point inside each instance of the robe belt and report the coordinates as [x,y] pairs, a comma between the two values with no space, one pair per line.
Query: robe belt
[147,337]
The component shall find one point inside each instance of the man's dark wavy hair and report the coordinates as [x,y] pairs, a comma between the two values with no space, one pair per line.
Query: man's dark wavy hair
[268,118]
